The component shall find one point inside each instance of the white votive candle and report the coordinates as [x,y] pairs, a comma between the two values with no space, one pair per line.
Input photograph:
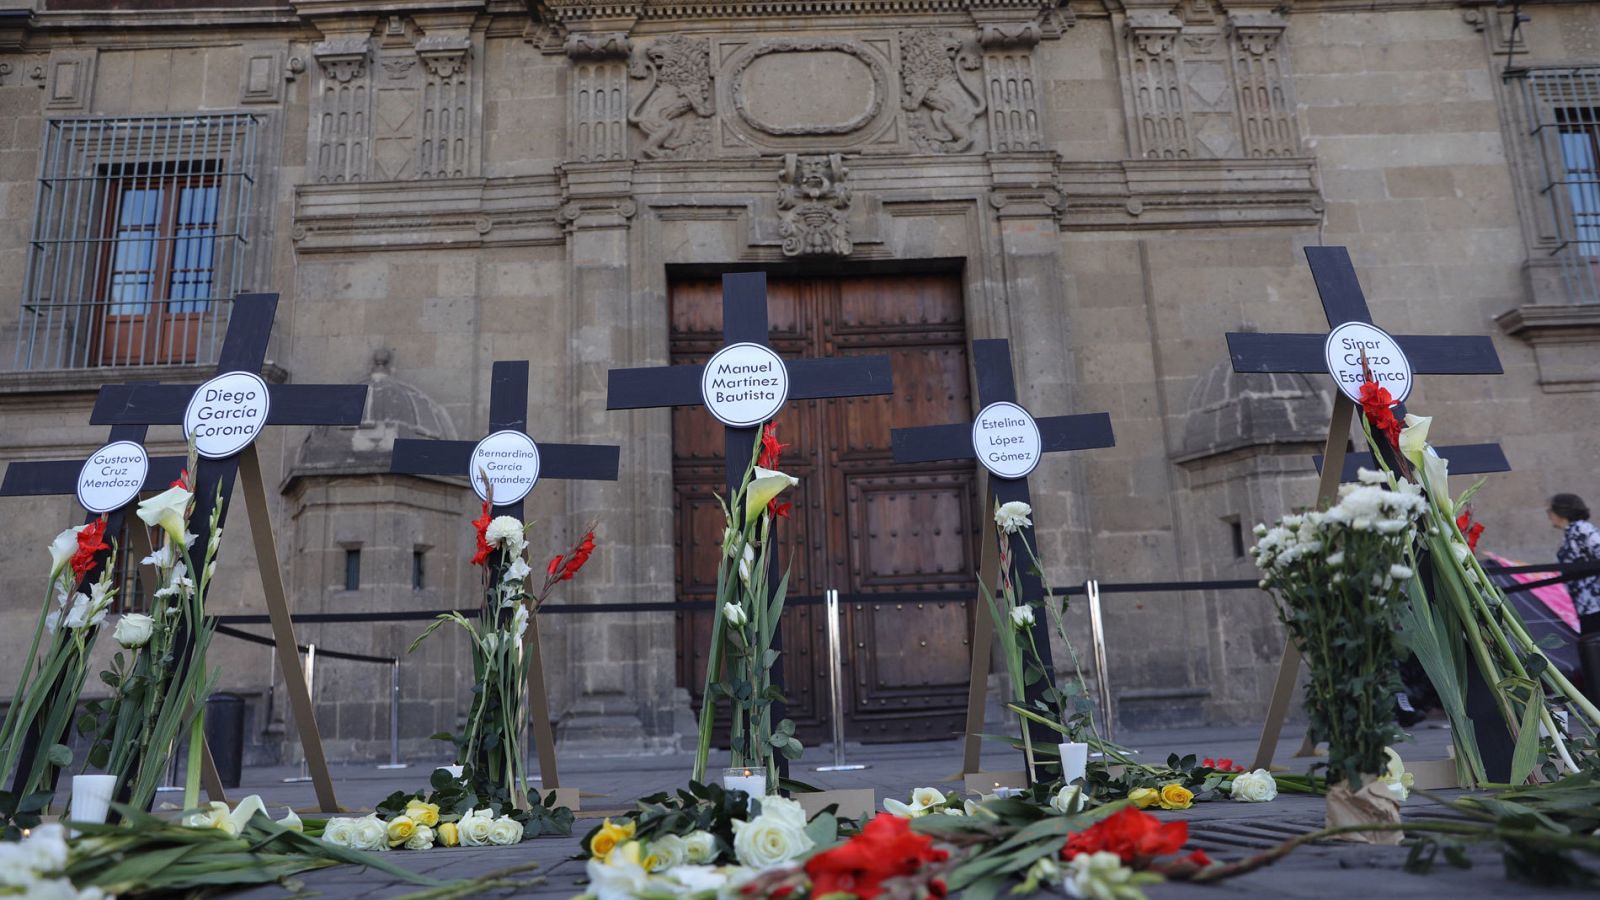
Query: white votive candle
[91,797]
[455,771]
[750,779]
[1074,760]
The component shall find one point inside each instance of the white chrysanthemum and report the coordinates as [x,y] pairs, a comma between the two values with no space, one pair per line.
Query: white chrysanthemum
[506,532]
[1012,516]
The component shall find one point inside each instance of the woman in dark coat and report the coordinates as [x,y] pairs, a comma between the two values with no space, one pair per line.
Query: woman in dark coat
[1580,543]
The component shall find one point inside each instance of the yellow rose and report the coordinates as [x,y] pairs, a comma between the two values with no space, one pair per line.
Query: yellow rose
[423,813]
[608,837]
[400,830]
[1144,798]
[448,835]
[1176,796]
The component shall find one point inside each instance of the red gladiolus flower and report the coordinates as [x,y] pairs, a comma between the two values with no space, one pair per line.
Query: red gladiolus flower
[481,524]
[579,557]
[182,482]
[1135,837]
[771,450]
[555,565]
[91,540]
[1377,405]
[885,848]
[1199,858]
[1209,763]
[1470,530]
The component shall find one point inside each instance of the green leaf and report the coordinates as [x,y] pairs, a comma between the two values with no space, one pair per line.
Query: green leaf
[60,756]
[823,830]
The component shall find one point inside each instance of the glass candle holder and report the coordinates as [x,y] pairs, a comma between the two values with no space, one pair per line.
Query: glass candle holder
[91,797]
[750,779]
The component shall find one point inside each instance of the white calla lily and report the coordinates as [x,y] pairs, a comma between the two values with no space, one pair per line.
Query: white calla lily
[765,487]
[166,509]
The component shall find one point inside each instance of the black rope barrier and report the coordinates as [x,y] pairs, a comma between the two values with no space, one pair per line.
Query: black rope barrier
[330,654]
[1567,572]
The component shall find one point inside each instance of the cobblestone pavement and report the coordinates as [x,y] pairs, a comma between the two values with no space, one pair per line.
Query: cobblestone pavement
[1224,830]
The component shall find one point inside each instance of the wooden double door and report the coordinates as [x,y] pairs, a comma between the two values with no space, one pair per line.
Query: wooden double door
[860,524]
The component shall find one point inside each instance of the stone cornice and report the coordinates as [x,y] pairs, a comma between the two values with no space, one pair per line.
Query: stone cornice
[568,13]
[1193,193]
[409,215]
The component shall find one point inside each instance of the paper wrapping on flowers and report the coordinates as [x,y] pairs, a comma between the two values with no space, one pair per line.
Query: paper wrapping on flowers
[1373,804]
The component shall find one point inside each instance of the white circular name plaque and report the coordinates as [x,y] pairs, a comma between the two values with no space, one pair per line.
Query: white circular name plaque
[112,476]
[1390,368]
[744,385]
[1007,440]
[510,459]
[226,414]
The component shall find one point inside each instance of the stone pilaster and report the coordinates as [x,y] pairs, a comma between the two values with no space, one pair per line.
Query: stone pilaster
[1261,78]
[1012,82]
[597,102]
[1161,131]
[342,111]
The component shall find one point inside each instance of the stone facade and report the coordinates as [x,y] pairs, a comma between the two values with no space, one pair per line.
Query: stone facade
[444,183]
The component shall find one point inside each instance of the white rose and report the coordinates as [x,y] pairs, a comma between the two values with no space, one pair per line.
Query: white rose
[504,831]
[369,834]
[44,849]
[474,829]
[166,509]
[670,852]
[700,848]
[505,531]
[785,810]
[768,841]
[421,839]
[1012,516]
[133,630]
[735,614]
[1068,800]
[339,832]
[1254,787]
[1022,616]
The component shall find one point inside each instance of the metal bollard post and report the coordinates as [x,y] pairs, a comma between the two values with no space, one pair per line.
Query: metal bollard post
[394,718]
[311,689]
[836,686]
[1097,636]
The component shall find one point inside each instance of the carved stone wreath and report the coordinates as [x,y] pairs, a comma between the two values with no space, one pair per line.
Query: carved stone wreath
[878,88]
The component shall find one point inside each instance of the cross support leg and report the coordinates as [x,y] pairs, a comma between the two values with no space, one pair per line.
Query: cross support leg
[544,740]
[209,776]
[1333,454]
[294,679]
[982,640]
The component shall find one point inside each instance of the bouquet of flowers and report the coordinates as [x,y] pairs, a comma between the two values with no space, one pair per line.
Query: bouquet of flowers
[490,747]
[1465,602]
[159,679]
[46,697]
[749,608]
[1340,577]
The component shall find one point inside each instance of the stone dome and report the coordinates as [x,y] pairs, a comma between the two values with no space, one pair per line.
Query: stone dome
[394,409]
[1229,410]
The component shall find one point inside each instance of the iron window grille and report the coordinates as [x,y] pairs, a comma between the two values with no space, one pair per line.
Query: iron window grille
[140,238]
[1562,108]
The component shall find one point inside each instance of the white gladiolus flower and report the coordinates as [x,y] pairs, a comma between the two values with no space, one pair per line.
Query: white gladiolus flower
[1022,616]
[517,571]
[1012,516]
[63,548]
[519,622]
[747,563]
[769,841]
[133,630]
[700,848]
[735,614]
[1254,787]
[505,831]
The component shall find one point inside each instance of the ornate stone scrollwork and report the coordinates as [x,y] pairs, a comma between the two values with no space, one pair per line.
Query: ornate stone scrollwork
[342,59]
[674,112]
[943,107]
[814,206]
[597,45]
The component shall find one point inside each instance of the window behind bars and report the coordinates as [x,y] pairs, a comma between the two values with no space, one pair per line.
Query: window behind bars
[139,240]
[1562,113]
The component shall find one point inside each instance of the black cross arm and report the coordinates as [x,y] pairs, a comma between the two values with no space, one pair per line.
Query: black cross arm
[573,462]
[809,379]
[1430,354]
[292,404]
[43,478]
[653,387]
[1464,459]
[930,443]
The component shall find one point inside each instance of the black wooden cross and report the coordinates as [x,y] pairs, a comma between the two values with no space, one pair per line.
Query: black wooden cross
[244,349]
[997,384]
[1343,301]
[508,411]
[744,321]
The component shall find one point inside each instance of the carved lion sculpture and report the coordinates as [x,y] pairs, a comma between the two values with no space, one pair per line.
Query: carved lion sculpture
[671,110]
[944,107]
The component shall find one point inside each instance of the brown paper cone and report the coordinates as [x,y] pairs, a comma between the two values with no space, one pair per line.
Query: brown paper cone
[1374,803]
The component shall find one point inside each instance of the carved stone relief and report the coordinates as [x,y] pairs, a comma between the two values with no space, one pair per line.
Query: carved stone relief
[597,107]
[343,110]
[814,206]
[675,106]
[943,109]
[1162,130]
[1262,77]
[765,79]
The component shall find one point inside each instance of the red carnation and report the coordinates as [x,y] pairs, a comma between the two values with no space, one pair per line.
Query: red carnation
[1377,405]
[91,540]
[886,848]
[1136,837]
[481,524]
